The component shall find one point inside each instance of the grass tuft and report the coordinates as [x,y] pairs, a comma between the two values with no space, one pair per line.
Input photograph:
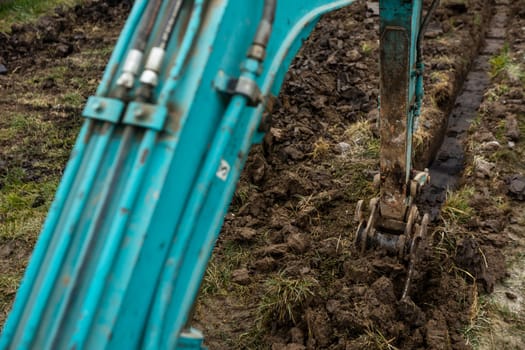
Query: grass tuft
[373,339]
[321,149]
[499,62]
[456,208]
[24,11]
[283,297]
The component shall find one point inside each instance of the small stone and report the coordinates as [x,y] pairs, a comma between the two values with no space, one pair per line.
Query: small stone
[342,148]
[277,134]
[511,144]
[241,276]
[516,185]
[3,69]
[483,168]
[353,55]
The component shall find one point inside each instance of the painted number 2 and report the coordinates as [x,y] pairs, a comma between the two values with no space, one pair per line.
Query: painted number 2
[224,170]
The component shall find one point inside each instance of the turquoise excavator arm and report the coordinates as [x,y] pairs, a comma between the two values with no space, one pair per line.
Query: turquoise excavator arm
[124,248]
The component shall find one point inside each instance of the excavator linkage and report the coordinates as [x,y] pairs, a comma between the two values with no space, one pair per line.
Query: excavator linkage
[124,248]
[392,221]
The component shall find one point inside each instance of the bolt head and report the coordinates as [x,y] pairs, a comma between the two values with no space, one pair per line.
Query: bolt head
[98,107]
[139,112]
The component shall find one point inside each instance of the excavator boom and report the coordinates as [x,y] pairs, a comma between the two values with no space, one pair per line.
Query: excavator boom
[124,248]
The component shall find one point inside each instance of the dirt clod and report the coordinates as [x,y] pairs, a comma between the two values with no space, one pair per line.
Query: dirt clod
[512,128]
[241,276]
[516,185]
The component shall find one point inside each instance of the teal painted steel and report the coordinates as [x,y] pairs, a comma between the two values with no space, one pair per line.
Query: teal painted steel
[135,218]
[105,109]
[401,93]
[124,248]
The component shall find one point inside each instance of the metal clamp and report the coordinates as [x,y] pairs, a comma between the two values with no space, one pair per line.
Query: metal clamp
[249,89]
[239,86]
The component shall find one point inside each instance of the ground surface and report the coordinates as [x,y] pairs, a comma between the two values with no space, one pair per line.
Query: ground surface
[52,65]
[284,274]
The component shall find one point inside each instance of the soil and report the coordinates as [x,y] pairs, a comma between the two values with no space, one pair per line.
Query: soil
[285,274]
[50,67]
[298,194]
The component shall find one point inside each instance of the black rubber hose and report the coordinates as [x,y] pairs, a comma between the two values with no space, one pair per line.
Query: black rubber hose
[424,26]
[262,35]
[146,25]
[169,25]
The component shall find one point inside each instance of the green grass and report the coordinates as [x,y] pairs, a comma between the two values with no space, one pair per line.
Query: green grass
[500,61]
[504,63]
[23,205]
[456,208]
[23,11]
[480,322]
[374,339]
[218,277]
[283,297]
[367,48]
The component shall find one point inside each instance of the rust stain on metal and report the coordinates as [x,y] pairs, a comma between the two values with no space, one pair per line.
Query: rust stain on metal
[144,156]
[174,117]
[66,280]
[113,71]
[105,128]
[209,11]
[90,131]
[394,109]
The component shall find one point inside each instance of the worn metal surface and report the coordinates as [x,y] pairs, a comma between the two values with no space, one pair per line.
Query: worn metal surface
[399,29]
[391,222]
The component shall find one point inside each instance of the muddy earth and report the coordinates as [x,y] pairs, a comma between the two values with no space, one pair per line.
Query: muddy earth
[50,68]
[285,274]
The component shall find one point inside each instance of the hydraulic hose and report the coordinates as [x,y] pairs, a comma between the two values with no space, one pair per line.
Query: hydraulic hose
[262,35]
[146,26]
[134,57]
[169,25]
[150,76]
[423,28]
